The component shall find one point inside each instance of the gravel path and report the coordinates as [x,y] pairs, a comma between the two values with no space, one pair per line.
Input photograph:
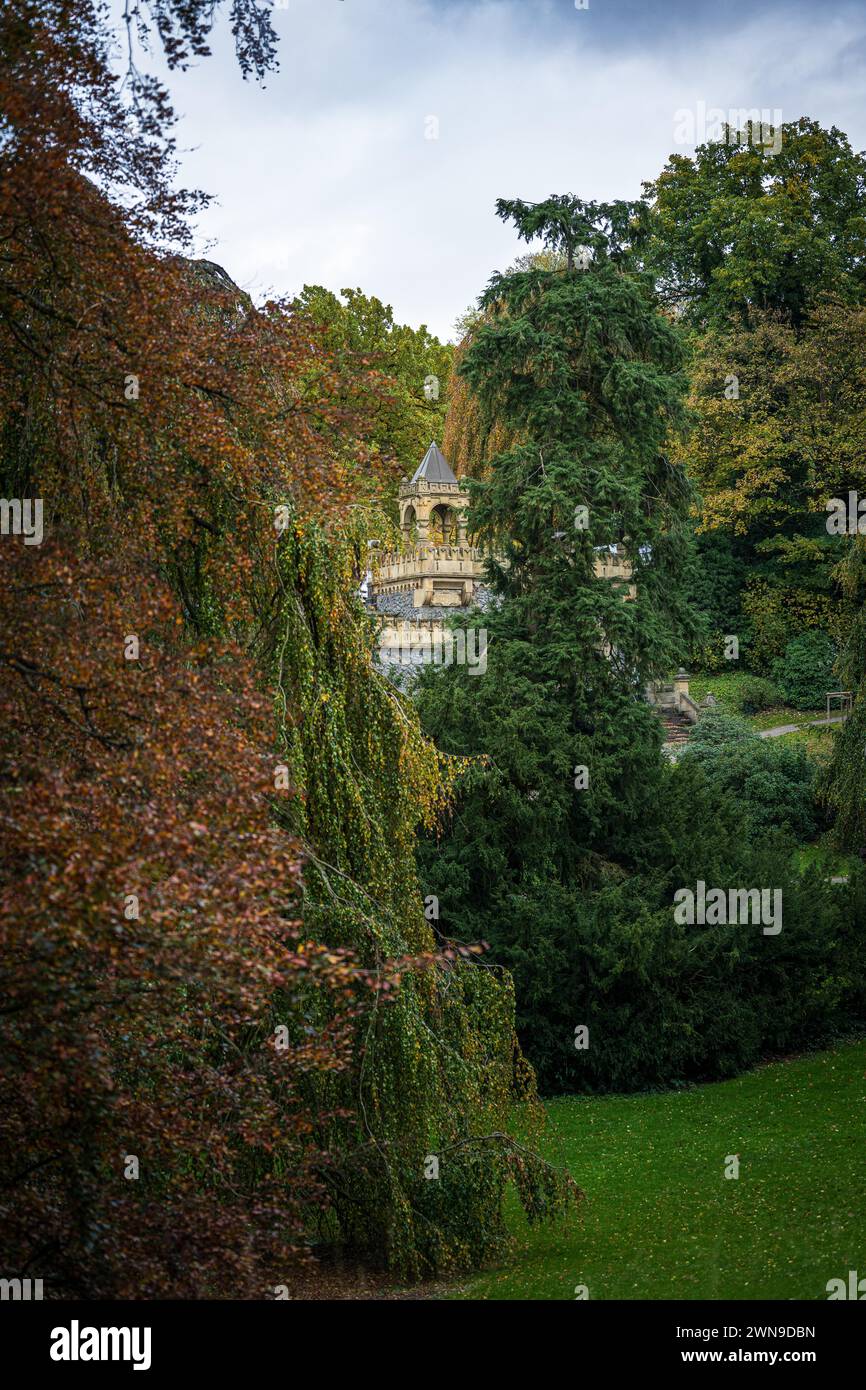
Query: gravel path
[792,728]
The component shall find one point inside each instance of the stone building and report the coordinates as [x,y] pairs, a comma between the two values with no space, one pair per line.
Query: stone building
[437,574]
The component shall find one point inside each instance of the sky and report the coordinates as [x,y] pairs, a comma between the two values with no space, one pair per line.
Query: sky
[374,156]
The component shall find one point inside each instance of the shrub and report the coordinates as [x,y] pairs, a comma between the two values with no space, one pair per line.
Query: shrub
[667,1003]
[769,784]
[805,673]
[755,694]
[716,727]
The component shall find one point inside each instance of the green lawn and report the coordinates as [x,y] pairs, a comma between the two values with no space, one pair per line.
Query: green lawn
[818,741]
[661,1221]
[725,687]
[784,714]
[820,855]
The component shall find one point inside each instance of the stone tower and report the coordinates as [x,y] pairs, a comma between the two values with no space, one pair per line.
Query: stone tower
[436,565]
[437,574]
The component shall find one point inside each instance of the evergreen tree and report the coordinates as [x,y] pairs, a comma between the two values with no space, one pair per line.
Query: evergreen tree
[583,370]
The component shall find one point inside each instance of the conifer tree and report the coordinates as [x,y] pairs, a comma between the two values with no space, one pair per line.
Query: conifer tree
[583,370]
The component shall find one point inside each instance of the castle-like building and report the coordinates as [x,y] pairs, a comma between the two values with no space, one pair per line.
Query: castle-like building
[437,573]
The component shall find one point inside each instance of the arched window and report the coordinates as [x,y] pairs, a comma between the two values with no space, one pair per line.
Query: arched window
[443,525]
[409,526]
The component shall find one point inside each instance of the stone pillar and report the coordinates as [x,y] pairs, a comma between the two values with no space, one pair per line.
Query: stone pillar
[422,520]
[681,686]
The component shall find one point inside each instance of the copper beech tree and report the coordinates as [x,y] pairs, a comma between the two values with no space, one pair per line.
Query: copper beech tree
[154,1136]
[154,1140]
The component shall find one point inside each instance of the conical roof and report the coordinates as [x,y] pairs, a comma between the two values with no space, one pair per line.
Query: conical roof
[434,467]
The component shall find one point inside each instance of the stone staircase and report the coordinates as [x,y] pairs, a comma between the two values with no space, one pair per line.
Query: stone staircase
[677,728]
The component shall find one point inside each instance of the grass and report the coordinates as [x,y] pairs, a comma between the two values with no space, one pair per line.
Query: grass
[818,741]
[782,714]
[660,1221]
[823,857]
[726,687]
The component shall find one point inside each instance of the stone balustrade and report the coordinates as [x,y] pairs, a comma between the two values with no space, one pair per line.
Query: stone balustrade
[429,560]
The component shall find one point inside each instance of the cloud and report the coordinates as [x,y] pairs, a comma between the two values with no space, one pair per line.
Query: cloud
[326,175]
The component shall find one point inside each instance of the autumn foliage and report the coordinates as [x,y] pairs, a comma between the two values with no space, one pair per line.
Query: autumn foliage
[151,943]
[223,1027]
[150,947]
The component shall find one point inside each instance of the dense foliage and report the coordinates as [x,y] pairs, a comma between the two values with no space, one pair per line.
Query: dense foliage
[745,227]
[770,783]
[149,926]
[215,955]
[805,673]
[777,432]
[439,1067]
[666,1003]
[844,787]
[572,878]
[760,252]
[412,366]
[755,694]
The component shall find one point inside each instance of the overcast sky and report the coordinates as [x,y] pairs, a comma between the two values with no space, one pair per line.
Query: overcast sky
[328,174]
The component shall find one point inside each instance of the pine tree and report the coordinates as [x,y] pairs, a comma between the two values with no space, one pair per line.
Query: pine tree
[584,371]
